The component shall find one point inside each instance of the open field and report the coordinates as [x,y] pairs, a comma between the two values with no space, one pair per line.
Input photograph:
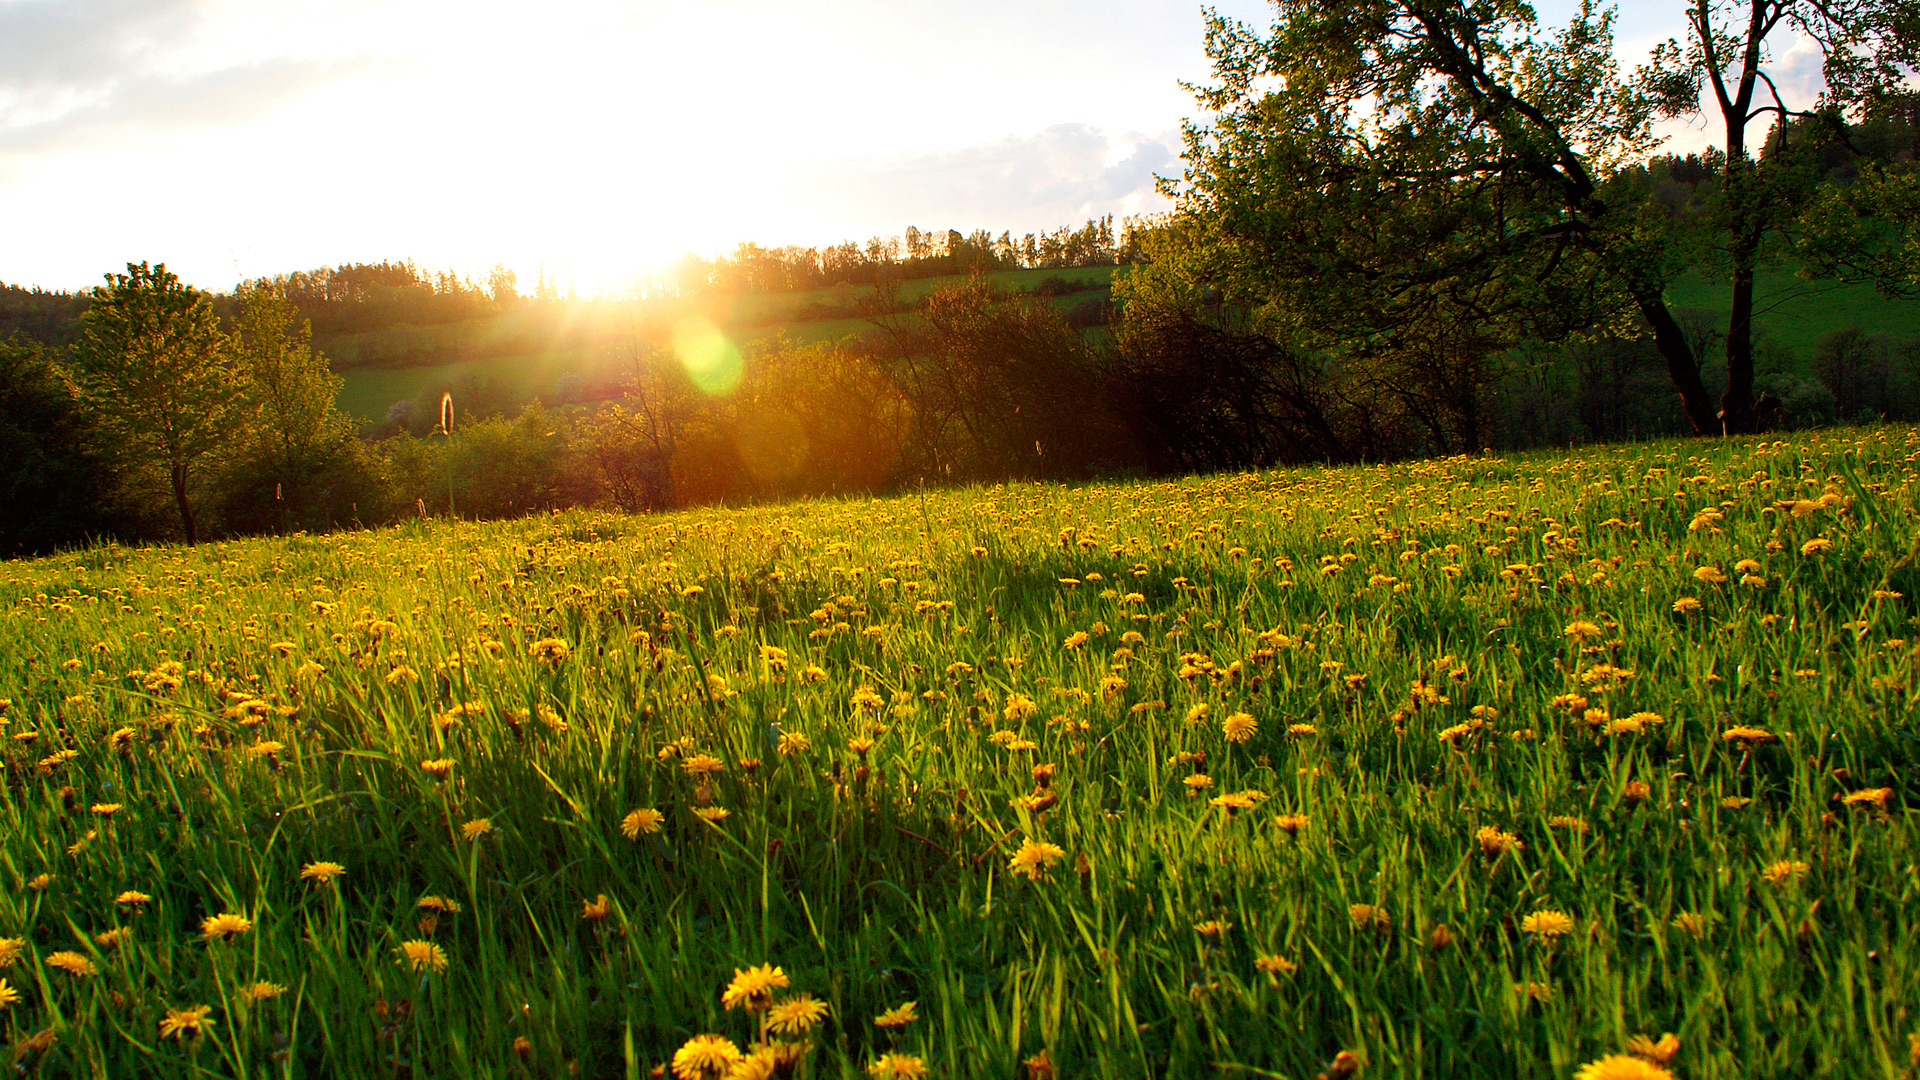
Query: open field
[523,355]
[1478,767]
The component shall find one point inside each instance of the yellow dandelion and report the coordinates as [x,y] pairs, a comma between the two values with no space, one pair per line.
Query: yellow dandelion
[550,651]
[1034,858]
[641,822]
[322,873]
[1816,545]
[597,909]
[796,1016]
[702,765]
[1369,917]
[712,815]
[9,997]
[106,809]
[188,1023]
[225,926]
[73,963]
[1658,1051]
[255,993]
[1692,924]
[898,1017]
[1239,727]
[1621,1067]
[1686,605]
[1583,630]
[1547,924]
[897,1066]
[704,1057]
[1874,797]
[10,950]
[419,956]
[1782,871]
[438,768]
[1494,842]
[477,828]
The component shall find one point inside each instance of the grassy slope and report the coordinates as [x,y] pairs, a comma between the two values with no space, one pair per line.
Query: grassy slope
[1795,314]
[876,875]
[525,353]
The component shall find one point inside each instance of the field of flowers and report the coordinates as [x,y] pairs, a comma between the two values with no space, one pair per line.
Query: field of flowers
[1595,764]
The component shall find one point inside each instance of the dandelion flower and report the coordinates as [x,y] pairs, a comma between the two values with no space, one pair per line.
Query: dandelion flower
[438,768]
[1621,1067]
[752,988]
[1711,575]
[1876,797]
[1034,858]
[1212,928]
[1369,917]
[796,1015]
[895,1066]
[704,1057]
[9,997]
[1816,545]
[701,765]
[897,1017]
[1271,965]
[1686,605]
[73,963]
[1548,924]
[1583,630]
[1691,924]
[1782,871]
[712,815]
[188,1023]
[322,873]
[549,651]
[1493,842]
[261,991]
[439,904]
[1291,824]
[1239,727]
[1659,1052]
[419,956]
[477,828]
[641,822]
[225,927]
[1747,735]
[597,909]
[106,809]
[10,950]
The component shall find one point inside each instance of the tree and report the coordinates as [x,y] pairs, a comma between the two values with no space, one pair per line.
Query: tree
[289,465]
[157,376]
[55,481]
[1377,168]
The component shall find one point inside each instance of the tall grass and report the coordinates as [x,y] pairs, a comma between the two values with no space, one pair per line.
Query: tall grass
[1436,656]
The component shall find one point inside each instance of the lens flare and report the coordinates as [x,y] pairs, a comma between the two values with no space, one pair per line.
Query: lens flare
[712,362]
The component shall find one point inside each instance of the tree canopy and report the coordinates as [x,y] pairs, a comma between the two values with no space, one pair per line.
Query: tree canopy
[1420,185]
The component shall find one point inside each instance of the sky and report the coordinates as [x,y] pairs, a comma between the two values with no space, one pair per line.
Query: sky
[591,139]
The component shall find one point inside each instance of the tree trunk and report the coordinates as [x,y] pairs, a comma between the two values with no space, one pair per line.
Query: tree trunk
[1736,405]
[1682,367]
[179,475]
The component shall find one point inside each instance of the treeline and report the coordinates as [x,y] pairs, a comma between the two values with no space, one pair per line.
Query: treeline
[976,384]
[358,297]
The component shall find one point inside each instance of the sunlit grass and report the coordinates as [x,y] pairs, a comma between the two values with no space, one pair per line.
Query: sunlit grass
[1477,767]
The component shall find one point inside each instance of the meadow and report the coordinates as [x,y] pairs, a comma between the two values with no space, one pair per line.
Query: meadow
[1595,762]
[523,355]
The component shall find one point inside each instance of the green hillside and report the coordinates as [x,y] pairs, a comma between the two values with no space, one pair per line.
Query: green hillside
[524,354]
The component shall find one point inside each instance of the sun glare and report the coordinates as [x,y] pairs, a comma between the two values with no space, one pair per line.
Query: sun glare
[711,360]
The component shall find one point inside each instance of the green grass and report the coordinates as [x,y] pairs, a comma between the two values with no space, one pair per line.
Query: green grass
[1794,315]
[521,356]
[877,681]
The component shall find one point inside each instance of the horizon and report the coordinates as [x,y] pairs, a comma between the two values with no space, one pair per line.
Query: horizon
[599,144]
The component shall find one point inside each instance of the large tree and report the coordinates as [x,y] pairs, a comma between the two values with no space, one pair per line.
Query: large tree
[158,376]
[1421,184]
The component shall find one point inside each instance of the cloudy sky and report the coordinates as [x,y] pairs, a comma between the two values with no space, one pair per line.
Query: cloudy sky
[599,138]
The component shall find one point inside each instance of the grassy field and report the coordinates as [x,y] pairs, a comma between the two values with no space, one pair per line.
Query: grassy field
[1480,767]
[523,355]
